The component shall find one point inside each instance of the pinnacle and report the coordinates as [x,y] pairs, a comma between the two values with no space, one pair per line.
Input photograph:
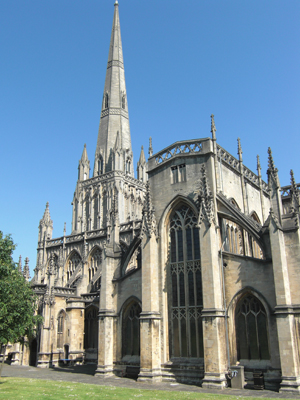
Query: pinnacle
[213,126]
[142,159]
[271,164]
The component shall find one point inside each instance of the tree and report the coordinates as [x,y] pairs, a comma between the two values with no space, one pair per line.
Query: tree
[18,302]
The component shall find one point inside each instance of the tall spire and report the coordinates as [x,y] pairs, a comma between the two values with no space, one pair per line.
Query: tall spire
[114,114]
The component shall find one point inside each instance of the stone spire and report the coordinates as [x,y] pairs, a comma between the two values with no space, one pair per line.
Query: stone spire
[84,166]
[114,114]
[46,225]
[26,272]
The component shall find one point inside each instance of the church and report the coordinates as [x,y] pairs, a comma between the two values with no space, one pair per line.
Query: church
[178,274]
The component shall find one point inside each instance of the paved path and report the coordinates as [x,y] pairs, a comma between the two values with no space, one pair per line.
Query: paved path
[85,374]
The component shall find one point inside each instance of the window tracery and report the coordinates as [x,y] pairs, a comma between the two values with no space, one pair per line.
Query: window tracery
[186,303]
[73,263]
[95,263]
[131,330]
[251,329]
[61,329]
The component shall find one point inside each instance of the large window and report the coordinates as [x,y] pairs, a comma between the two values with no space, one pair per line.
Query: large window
[251,329]
[131,330]
[185,303]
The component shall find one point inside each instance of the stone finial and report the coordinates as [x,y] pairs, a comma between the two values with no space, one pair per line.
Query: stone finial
[149,225]
[150,152]
[205,200]
[258,166]
[20,264]
[26,272]
[65,228]
[240,152]
[213,127]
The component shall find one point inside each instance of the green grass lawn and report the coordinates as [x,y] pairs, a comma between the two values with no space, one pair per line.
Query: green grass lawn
[22,388]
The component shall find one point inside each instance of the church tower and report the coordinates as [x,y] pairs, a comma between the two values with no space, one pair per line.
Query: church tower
[113,150]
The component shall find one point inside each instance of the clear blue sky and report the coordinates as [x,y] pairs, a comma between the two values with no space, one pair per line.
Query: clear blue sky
[183,61]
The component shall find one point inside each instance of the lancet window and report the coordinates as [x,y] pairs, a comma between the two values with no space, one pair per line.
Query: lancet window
[95,263]
[100,165]
[73,264]
[123,101]
[131,330]
[185,290]
[106,100]
[61,320]
[251,329]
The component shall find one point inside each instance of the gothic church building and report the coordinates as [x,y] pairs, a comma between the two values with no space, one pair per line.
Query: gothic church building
[180,273]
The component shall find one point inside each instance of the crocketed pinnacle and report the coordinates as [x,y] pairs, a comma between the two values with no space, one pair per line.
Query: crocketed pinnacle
[142,159]
[271,169]
[20,264]
[258,166]
[149,225]
[205,199]
[84,157]
[240,152]
[294,185]
[26,272]
[46,217]
[213,127]
[150,152]
[114,114]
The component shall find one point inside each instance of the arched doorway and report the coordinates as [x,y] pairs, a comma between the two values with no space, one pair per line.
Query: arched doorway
[33,353]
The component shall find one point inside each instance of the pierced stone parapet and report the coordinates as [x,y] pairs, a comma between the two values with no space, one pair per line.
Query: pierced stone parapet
[54,242]
[190,147]
[233,163]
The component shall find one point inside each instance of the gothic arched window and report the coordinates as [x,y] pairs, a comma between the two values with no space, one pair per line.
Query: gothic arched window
[100,165]
[185,294]
[123,101]
[251,329]
[61,329]
[73,263]
[131,330]
[95,263]
[91,328]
